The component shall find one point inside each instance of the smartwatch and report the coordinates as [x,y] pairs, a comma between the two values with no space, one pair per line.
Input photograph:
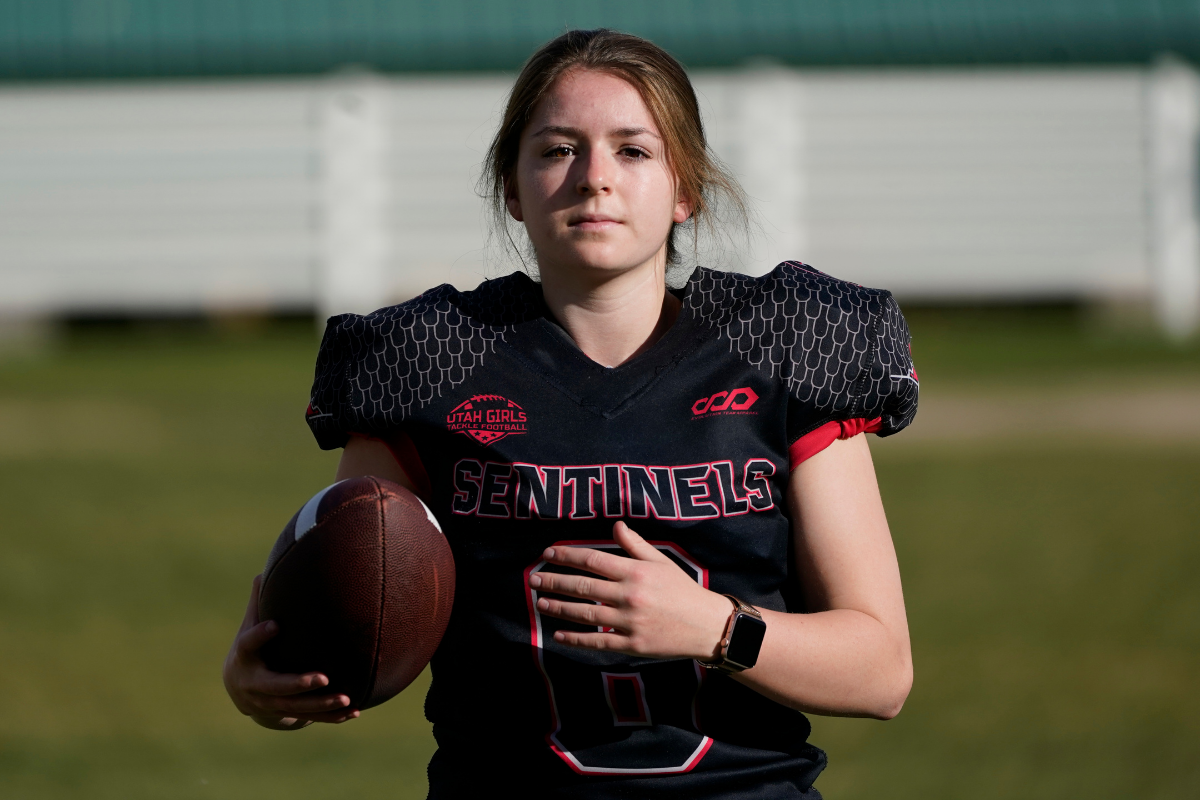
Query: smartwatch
[742,641]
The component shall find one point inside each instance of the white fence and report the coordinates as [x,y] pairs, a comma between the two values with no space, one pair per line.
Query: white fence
[348,192]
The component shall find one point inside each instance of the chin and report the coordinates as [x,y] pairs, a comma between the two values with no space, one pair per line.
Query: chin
[604,260]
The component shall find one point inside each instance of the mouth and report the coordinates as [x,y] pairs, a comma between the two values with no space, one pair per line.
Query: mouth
[592,222]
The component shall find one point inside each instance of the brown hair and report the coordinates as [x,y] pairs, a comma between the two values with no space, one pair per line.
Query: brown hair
[667,93]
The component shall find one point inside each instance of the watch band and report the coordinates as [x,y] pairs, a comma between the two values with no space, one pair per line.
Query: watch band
[722,661]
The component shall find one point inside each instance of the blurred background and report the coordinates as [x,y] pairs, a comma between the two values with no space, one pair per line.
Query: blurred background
[189,187]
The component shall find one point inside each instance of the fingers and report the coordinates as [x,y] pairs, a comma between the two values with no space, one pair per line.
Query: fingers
[635,545]
[584,613]
[581,586]
[282,684]
[609,565]
[613,642]
[333,717]
[251,639]
[588,559]
[303,705]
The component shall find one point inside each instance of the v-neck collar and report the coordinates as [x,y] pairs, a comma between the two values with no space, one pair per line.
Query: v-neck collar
[607,391]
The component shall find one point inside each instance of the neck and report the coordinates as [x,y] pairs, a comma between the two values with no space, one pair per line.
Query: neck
[612,318]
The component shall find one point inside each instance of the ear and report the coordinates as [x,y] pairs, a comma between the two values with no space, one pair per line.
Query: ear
[511,201]
[683,210]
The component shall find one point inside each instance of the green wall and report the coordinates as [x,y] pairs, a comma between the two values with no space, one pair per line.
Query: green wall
[42,39]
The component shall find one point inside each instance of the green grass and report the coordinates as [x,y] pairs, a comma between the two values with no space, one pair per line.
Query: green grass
[1055,616]
[1051,585]
[1039,346]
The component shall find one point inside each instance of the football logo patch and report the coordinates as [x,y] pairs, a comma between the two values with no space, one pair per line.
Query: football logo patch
[487,418]
[728,402]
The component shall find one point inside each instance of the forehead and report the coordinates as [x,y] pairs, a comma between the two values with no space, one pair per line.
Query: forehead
[592,100]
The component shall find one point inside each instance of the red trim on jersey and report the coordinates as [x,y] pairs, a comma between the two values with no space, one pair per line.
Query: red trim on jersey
[817,440]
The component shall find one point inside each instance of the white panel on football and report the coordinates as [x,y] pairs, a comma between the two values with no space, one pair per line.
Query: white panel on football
[429,515]
[306,520]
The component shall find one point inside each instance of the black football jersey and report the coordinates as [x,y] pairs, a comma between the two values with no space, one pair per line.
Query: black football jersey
[518,441]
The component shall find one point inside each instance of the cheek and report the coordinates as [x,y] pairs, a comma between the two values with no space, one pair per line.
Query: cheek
[537,189]
[656,200]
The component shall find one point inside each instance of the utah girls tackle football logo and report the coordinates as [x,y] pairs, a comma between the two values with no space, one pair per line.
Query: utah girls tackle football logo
[487,418]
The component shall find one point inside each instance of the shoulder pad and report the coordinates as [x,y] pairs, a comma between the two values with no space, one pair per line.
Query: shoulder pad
[374,370]
[841,349]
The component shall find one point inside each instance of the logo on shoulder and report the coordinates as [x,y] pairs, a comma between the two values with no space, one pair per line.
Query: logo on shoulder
[734,401]
[487,418]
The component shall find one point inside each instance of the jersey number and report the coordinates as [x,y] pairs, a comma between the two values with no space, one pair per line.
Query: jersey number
[612,714]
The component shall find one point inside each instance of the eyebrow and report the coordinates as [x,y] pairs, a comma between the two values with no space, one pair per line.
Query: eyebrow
[621,133]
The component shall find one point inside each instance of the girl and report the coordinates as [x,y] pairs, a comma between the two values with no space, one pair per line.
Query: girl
[668,535]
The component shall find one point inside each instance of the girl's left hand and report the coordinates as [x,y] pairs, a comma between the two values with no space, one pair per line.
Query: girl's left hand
[653,607]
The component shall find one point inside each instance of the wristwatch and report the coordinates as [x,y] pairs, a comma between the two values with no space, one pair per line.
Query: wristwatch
[742,640]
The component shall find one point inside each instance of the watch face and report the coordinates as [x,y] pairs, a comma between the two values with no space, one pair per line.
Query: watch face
[746,640]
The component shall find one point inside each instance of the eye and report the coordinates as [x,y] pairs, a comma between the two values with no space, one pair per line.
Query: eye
[558,151]
[629,151]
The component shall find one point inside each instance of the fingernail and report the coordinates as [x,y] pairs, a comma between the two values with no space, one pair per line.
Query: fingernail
[543,604]
[535,580]
[549,552]
[271,626]
[560,637]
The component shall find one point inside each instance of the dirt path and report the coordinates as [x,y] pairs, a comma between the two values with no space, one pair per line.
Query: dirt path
[1152,411]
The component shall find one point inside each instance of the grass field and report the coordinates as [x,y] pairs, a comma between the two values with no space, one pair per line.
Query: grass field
[1051,580]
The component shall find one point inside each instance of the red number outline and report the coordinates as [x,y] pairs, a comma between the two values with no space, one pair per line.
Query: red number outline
[535,629]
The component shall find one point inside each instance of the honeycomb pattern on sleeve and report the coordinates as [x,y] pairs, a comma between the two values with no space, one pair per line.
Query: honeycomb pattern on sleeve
[373,371]
[842,350]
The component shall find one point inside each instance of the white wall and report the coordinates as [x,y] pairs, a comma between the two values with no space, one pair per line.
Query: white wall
[440,131]
[952,184]
[936,184]
[156,196]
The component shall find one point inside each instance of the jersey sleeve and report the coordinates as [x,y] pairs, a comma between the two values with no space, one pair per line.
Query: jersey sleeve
[893,384]
[880,384]
[373,370]
[331,411]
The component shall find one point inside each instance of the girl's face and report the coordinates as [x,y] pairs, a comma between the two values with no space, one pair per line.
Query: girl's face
[593,184]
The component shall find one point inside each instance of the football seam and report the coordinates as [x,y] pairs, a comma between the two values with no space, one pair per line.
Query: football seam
[381,497]
[291,549]
[267,574]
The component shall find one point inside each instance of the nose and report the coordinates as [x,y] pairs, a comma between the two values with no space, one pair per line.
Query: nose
[594,174]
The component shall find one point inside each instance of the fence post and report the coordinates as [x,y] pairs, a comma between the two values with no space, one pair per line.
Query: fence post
[1173,121]
[352,132]
[768,154]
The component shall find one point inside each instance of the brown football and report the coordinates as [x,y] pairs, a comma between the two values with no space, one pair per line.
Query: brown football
[360,582]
